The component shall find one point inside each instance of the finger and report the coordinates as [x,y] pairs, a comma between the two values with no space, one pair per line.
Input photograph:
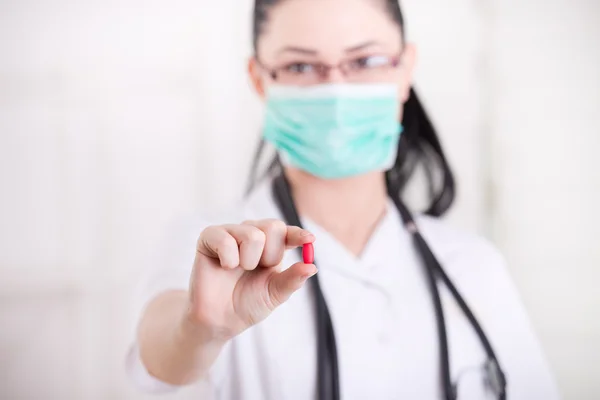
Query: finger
[282,285]
[251,241]
[275,232]
[216,242]
[297,236]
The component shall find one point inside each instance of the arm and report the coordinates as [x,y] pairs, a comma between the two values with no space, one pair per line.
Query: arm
[529,375]
[235,282]
[172,348]
[511,331]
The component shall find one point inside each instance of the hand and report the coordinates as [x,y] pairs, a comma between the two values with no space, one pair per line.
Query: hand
[237,280]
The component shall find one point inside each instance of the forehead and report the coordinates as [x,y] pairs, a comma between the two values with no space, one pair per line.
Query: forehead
[327,26]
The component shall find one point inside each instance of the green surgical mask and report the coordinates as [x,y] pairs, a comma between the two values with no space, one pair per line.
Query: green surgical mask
[335,130]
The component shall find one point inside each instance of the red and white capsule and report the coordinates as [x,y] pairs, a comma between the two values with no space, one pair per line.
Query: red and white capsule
[308,253]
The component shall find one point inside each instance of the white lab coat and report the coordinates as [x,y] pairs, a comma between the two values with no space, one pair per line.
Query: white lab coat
[382,314]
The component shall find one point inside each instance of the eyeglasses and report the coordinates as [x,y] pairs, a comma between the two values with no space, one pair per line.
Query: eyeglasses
[360,69]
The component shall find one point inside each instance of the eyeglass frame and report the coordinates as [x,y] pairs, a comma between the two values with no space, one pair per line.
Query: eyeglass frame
[324,70]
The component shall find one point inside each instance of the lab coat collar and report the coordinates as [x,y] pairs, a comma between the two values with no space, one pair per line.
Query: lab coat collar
[370,266]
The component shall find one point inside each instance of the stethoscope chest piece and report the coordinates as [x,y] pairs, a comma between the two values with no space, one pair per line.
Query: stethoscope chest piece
[494,378]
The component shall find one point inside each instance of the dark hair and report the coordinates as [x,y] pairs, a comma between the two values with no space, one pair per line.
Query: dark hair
[419,143]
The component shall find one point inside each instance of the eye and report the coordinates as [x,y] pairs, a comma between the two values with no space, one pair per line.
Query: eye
[300,68]
[369,62]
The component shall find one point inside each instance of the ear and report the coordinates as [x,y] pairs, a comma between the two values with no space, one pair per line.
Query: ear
[256,77]
[408,61]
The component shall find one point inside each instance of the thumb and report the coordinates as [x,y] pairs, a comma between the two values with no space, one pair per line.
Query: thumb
[283,284]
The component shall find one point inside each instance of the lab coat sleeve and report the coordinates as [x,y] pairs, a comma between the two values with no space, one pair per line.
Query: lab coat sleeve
[506,321]
[169,267]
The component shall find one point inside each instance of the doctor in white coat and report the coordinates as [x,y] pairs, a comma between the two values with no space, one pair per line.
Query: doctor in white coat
[401,307]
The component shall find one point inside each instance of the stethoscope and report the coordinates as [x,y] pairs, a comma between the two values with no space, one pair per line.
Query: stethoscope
[328,385]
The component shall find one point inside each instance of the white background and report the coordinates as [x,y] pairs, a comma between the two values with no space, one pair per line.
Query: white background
[117,115]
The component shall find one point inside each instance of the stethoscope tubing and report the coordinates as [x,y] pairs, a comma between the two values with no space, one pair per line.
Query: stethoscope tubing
[328,387]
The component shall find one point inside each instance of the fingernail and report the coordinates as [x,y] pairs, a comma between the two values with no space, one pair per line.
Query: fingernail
[305,233]
[310,275]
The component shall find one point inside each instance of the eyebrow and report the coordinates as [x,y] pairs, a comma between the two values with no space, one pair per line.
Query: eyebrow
[301,50]
[313,52]
[361,46]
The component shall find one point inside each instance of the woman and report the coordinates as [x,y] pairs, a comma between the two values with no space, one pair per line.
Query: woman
[381,319]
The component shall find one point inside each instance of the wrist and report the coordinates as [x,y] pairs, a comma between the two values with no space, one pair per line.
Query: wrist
[198,334]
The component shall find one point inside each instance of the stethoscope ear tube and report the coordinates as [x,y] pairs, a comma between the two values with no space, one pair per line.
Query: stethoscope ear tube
[449,388]
[327,358]
[328,385]
[495,376]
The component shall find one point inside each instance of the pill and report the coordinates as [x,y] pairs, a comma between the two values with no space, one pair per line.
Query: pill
[308,253]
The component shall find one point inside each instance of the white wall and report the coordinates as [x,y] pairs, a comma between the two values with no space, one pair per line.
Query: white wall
[114,114]
[545,182]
